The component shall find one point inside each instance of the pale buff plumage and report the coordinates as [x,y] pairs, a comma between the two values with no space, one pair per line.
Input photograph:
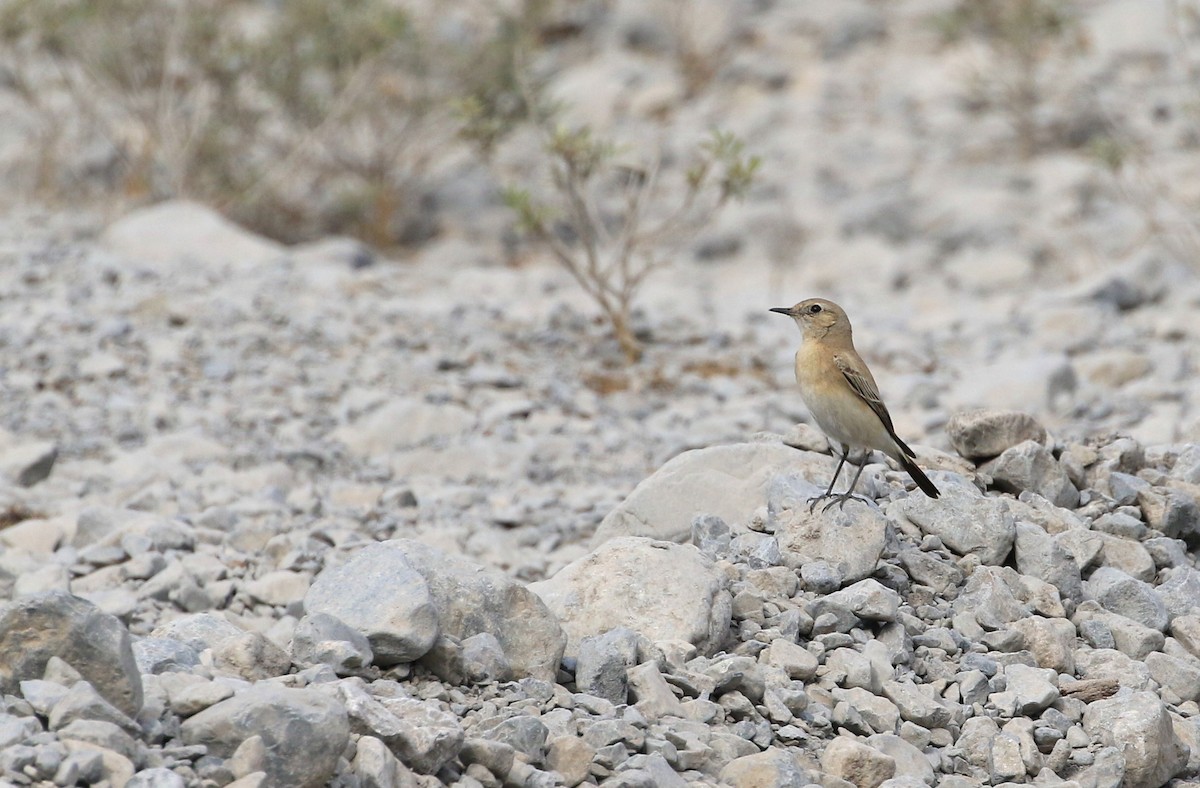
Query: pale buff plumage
[841,394]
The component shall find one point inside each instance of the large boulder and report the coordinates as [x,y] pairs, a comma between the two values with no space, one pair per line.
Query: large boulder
[471,599]
[378,593]
[980,434]
[848,538]
[1139,725]
[664,591]
[56,624]
[729,482]
[180,231]
[303,732]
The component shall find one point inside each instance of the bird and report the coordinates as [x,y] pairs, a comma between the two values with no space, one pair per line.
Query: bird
[842,396]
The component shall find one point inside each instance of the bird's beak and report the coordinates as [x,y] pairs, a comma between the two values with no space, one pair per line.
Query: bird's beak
[783,310]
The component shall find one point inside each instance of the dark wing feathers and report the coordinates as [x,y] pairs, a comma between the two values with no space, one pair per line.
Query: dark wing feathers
[865,387]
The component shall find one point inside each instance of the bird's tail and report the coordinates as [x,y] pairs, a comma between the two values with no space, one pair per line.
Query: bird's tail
[918,475]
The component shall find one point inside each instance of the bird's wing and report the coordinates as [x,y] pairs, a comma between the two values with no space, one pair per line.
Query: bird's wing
[864,386]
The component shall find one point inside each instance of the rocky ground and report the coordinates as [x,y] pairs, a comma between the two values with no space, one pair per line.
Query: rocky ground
[306,516]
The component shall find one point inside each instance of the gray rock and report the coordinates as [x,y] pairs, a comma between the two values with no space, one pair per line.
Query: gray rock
[712,536]
[1050,640]
[867,599]
[849,539]
[304,732]
[771,768]
[1031,466]
[981,434]
[56,624]
[796,661]
[651,693]
[989,595]
[28,463]
[1187,465]
[484,660]
[1180,591]
[1129,637]
[660,590]
[1138,725]
[523,733]
[1125,596]
[918,705]
[156,777]
[849,759]
[1029,691]
[603,661]
[471,599]
[965,521]
[83,702]
[421,734]
[14,730]
[104,734]
[1172,513]
[728,482]
[379,593]
[1181,675]
[320,638]
[376,766]
[1039,555]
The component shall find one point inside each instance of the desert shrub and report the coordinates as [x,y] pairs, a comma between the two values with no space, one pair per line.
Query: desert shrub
[612,216]
[298,118]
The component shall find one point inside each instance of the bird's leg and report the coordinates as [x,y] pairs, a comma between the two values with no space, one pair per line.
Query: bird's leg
[812,502]
[840,500]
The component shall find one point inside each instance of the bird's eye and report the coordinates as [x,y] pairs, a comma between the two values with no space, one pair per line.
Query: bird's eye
[815,308]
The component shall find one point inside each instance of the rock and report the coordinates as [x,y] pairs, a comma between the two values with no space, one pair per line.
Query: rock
[603,661]
[991,595]
[471,599]
[421,734]
[982,434]
[379,593]
[320,638]
[867,599]
[1172,513]
[797,661]
[157,777]
[918,705]
[155,655]
[304,732]
[651,693]
[849,539]
[56,624]
[771,768]
[729,482]
[1050,640]
[181,231]
[376,766]
[571,758]
[1041,556]
[112,766]
[28,463]
[965,521]
[402,424]
[82,702]
[104,734]
[1180,591]
[1182,676]
[1121,594]
[282,588]
[1129,637]
[524,734]
[858,763]
[1031,466]
[1030,691]
[661,590]
[1138,725]
[910,761]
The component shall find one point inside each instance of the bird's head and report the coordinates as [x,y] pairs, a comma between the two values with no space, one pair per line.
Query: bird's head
[817,317]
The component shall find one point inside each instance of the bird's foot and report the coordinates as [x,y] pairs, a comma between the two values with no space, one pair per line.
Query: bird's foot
[840,501]
[813,501]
